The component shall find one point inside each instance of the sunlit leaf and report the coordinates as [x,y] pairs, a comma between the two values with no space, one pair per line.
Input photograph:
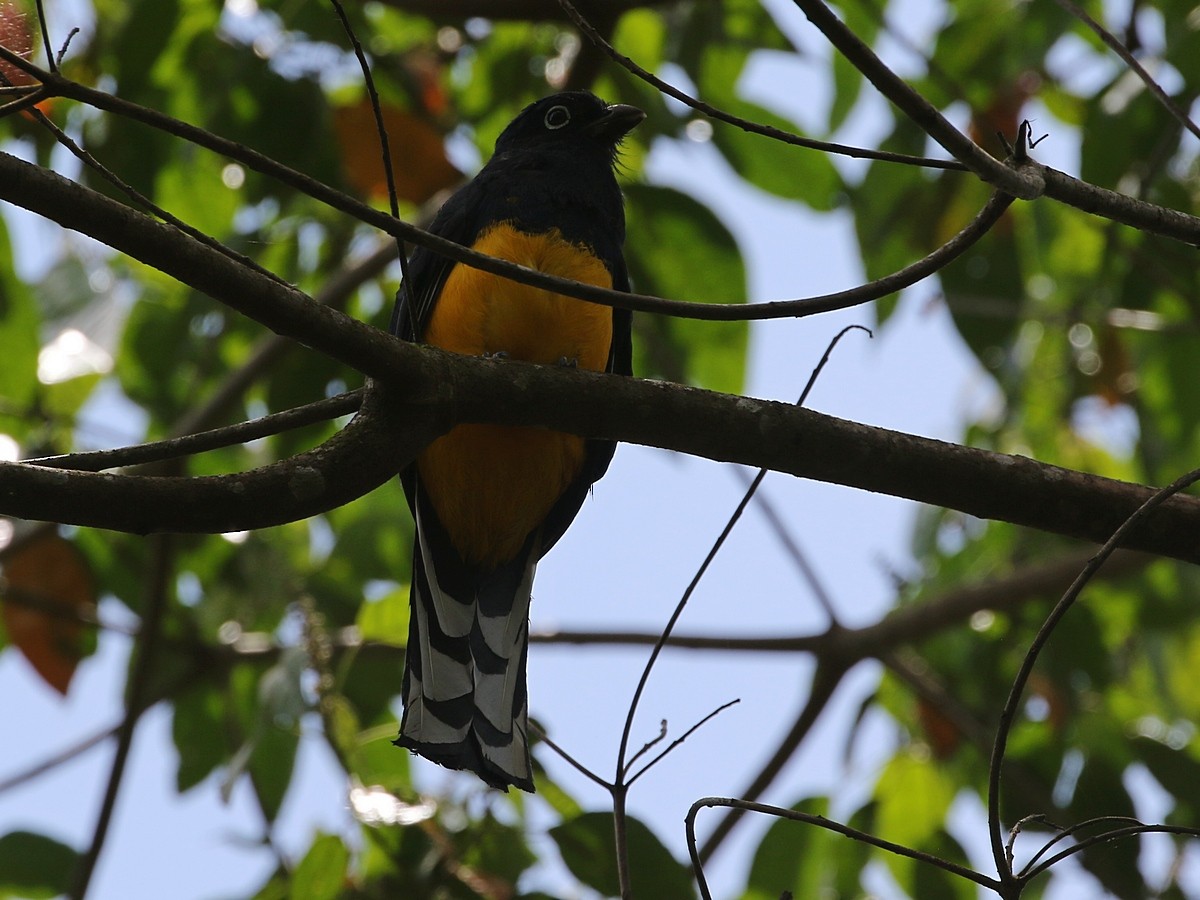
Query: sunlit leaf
[322,873]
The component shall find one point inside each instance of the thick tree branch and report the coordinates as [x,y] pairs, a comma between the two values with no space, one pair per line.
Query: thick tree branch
[440,389]
[365,454]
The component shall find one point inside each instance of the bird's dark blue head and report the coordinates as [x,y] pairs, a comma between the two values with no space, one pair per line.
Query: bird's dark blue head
[576,121]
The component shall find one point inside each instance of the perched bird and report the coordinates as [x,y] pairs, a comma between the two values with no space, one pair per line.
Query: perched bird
[489,500]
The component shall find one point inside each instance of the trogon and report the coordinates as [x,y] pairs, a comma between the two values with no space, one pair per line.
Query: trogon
[490,500]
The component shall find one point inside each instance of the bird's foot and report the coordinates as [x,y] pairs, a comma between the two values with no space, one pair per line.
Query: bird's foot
[499,355]
[568,363]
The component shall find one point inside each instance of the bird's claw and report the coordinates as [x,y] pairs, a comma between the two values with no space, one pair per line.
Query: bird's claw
[499,355]
[568,363]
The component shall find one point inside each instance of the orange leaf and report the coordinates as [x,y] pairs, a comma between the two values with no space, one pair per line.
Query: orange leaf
[418,152]
[941,734]
[49,593]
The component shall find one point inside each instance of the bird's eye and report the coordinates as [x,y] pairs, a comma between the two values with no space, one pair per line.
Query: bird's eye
[557,117]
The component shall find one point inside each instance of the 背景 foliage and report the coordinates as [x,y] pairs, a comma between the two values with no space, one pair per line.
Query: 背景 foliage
[1075,318]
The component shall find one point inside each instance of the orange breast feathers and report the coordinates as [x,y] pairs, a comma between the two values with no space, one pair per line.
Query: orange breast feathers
[492,485]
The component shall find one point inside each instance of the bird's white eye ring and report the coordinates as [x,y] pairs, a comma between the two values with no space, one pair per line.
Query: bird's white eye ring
[557,117]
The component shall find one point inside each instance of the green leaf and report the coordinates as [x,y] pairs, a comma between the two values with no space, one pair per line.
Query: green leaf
[496,848]
[928,882]
[701,262]
[19,339]
[34,866]
[913,796]
[386,619]
[1177,771]
[795,173]
[807,860]
[198,730]
[1100,792]
[586,845]
[322,873]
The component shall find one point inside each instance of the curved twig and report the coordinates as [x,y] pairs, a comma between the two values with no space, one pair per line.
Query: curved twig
[1008,714]
[728,312]
[213,439]
[821,822]
[1114,835]
[679,740]
[380,129]
[622,764]
[721,115]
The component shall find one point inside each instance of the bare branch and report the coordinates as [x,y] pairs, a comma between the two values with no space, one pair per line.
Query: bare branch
[172,448]
[820,822]
[358,459]
[679,740]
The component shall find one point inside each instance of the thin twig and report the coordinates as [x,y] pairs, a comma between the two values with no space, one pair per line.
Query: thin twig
[45,29]
[66,755]
[821,822]
[679,740]
[380,128]
[157,591]
[769,131]
[1063,834]
[1024,184]
[648,746]
[1108,836]
[825,680]
[145,202]
[806,306]
[620,782]
[622,765]
[214,439]
[799,558]
[1111,41]
[1008,714]
[571,760]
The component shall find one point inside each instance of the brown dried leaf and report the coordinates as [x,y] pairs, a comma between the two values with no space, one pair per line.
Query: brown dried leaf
[49,594]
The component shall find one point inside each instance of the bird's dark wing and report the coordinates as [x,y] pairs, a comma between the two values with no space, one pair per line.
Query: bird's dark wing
[458,221]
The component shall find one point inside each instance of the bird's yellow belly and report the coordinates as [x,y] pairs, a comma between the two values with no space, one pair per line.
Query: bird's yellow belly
[491,485]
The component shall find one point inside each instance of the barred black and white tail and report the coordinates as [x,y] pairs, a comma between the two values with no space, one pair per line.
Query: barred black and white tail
[465,699]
